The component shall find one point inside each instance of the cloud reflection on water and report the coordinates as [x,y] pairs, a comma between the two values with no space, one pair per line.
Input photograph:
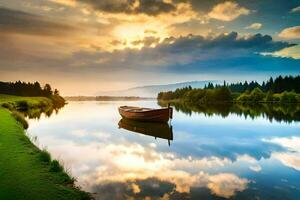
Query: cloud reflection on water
[206,157]
[128,163]
[291,158]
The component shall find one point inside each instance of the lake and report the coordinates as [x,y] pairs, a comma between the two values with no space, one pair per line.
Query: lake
[200,155]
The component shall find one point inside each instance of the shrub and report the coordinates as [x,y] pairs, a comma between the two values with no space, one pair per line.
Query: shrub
[58,101]
[288,97]
[66,178]
[22,105]
[276,97]
[235,95]
[222,94]
[256,95]
[243,97]
[269,97]
[20,118]
[8,106]
[55,166]
[43,104]
[45,156]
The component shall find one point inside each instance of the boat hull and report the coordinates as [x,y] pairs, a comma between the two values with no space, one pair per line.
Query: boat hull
[155,115]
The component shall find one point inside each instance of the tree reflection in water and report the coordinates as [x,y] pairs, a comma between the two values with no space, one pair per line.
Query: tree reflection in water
[278,112]
[36,113]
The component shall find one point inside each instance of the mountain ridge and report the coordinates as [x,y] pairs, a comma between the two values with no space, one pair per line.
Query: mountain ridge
[153,90]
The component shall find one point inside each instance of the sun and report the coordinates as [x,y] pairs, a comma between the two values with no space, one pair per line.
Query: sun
[129,33]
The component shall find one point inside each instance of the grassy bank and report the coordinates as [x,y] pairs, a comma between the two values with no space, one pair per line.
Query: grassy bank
[26,172]
[31,101]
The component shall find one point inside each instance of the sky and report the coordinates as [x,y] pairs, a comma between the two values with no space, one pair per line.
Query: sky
[83,47]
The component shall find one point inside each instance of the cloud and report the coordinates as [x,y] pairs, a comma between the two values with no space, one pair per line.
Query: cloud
[70,3]
[197,27]
[227,11]
[290,33]
[188,54]
[256,168]
[289,52]
[226,185]
[296,9]
[149,7]
[136,189]
[146,42]
[254,26]
[14,21]
[182,51]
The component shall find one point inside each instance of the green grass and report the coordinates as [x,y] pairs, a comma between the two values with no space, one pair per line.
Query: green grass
[45,156]
[31,100]
[26,172]
[20,118]
[55,166]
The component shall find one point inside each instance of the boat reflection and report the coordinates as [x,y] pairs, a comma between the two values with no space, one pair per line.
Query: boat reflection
[157,130]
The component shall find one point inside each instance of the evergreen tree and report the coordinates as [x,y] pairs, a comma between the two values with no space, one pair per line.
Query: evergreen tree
[25,89]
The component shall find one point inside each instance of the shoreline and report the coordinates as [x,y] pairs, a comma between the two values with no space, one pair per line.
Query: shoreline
[28,172]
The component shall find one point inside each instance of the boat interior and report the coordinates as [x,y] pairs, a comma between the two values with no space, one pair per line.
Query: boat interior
[134,109]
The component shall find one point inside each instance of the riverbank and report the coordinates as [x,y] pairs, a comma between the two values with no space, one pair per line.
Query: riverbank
[26,172]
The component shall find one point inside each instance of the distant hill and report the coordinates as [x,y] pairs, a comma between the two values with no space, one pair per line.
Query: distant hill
[105,98]
[153,90]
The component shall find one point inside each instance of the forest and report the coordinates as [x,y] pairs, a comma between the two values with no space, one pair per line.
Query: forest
[35,89]
[279,85]
[281,90]
[27,89]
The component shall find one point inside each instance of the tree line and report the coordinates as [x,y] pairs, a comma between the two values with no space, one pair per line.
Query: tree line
[278,85]
[282,90]
[27,89]
[188,94]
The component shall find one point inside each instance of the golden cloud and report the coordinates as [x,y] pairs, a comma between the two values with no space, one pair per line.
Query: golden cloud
[289,52]
[127,27]
[254,26]
[226,185]
[227,11]
[290,33]
[70,3]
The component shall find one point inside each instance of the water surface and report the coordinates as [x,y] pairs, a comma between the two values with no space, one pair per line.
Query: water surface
[211,156]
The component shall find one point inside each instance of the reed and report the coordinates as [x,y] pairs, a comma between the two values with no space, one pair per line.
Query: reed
[20,118]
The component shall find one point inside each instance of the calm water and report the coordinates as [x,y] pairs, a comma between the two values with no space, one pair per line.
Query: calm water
[210,156]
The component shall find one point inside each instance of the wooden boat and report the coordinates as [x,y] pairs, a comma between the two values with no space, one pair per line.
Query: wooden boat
[146,114]
[157,130]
